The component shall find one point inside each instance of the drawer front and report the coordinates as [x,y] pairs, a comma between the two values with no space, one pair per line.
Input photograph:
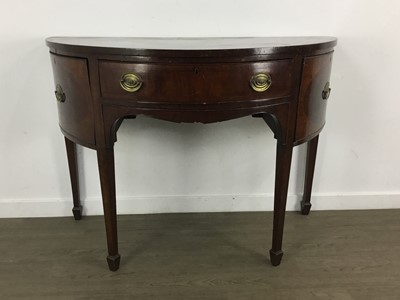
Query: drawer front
[74,101]
[313,97]
[196,83]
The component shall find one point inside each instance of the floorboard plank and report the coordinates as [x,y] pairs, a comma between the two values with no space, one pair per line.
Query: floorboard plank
[328,255]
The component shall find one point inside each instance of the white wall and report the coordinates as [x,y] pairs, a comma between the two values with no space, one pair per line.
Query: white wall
[164,167]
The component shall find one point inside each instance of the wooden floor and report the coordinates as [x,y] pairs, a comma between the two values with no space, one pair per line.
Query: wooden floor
[328,255]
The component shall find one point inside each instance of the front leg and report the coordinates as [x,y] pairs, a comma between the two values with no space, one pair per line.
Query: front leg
[282,172]
[312,146]
[105,158]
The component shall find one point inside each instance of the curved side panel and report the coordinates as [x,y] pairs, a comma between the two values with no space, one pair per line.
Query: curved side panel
[75,109]
[313,95]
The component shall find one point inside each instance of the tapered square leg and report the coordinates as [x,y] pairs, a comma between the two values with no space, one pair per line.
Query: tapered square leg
[283,163]
[312,146]
[105,158]
[73,173]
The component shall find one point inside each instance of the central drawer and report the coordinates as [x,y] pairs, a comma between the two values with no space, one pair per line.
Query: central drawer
[196,83]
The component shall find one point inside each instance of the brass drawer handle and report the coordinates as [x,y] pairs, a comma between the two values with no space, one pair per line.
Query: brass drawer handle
[130,82]
[60,95]
[260,82]
[326,91]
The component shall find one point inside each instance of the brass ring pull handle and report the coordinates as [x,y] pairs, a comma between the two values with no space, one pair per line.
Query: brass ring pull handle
[260,82]
[60,95]
[326,91]
[130,82]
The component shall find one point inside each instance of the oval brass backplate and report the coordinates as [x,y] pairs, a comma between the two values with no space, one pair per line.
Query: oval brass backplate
[60,95]
[260,82]
[131,82]
[326,91]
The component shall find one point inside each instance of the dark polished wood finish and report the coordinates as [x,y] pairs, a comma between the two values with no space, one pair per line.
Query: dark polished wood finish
[74,176]
[191,80]
[311,110]
[194,82]
[105,158]
[283,162]
[309,176]
[76,117]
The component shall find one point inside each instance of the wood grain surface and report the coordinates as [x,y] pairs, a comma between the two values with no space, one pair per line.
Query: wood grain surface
[329,255]
[101,81]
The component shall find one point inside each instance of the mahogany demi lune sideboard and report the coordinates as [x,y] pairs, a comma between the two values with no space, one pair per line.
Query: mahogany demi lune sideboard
[101,81]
